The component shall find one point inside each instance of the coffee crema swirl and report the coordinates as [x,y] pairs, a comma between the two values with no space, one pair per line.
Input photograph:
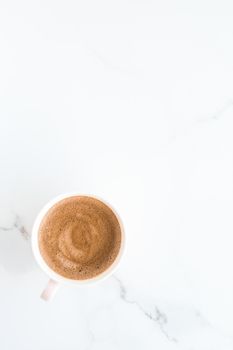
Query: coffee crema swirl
[79,237]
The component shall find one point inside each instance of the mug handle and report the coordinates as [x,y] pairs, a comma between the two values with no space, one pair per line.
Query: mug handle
[50,290]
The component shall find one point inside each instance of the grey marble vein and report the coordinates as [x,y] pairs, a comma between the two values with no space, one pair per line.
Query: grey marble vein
[17,225]
[108,64]
[92,338]
[219,113]
[155,316]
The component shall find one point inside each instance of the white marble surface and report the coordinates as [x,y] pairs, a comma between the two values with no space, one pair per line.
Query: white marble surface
[131,101]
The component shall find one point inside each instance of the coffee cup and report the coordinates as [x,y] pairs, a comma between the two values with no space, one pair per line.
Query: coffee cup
[56,279]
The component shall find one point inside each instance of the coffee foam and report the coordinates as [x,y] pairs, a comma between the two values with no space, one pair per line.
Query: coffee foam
[79,237]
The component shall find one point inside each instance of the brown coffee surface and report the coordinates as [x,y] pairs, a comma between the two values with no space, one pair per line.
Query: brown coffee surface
[79,237]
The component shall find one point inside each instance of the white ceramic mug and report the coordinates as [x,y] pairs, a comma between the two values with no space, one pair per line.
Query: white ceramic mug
[55,279]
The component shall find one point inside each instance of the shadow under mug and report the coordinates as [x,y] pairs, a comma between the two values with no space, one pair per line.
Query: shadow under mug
[55,280]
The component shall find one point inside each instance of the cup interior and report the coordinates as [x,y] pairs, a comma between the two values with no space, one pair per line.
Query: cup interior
[54,275]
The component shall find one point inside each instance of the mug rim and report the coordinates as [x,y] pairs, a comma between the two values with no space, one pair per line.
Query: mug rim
[47,269]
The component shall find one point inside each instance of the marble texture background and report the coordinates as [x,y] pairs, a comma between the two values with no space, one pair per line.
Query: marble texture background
[131,101]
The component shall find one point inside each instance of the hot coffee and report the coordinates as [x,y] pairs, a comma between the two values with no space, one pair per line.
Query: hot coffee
[79,237]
